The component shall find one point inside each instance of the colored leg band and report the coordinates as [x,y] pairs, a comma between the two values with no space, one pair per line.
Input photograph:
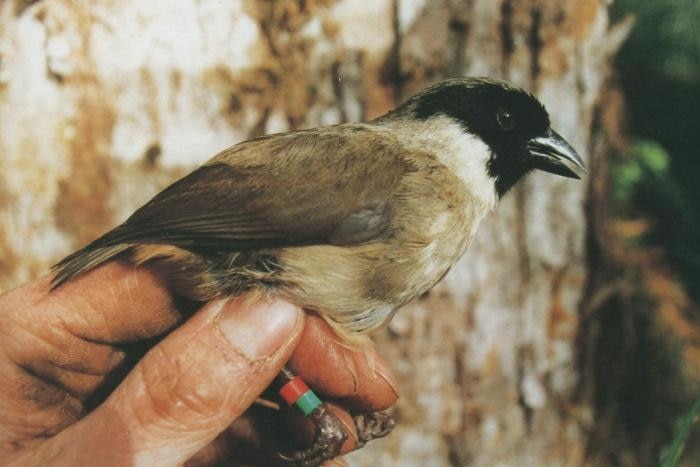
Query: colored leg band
[296,392]
[307,403]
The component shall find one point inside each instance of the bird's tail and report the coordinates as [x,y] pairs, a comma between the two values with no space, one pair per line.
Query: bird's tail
[84,260]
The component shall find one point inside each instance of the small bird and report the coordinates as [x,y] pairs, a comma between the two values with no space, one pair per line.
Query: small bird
[351,221]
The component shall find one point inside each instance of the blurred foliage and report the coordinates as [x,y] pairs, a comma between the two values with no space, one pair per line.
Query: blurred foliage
[643,184]
[637,344]
[665,38]
[642,387]
[672,454]
[646,159]
[660,73]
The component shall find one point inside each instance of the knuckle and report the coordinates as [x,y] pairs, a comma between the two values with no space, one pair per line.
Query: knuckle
[179,390]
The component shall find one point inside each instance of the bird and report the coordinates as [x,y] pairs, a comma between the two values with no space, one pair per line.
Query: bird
[350,221]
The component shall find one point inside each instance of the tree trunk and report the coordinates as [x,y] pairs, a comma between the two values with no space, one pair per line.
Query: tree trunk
[102,104]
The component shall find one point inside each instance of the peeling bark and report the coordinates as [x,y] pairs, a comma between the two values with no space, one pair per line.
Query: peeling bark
[104,103]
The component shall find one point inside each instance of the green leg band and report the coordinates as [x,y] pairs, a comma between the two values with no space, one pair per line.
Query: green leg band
[308,402]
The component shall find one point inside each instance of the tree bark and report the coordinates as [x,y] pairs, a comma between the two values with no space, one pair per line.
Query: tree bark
[102,104]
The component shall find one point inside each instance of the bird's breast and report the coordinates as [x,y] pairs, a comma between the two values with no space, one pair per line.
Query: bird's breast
[450,234]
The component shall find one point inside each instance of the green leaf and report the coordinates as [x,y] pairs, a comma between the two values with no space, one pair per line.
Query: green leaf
[625,177]
[672,454]
[645,158]
[651,155]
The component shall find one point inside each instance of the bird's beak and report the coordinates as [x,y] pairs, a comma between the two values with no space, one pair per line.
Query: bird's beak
[551,153]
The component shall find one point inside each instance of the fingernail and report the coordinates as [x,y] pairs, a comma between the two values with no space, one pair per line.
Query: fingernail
[337,462]
[258,329]
[388,376]
[350,431]
[382,370]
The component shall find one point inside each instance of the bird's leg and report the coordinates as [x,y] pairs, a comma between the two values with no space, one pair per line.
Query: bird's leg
[373,425]
[330,433]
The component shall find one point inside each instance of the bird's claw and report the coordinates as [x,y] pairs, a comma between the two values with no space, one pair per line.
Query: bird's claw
[329,438]
[373,425]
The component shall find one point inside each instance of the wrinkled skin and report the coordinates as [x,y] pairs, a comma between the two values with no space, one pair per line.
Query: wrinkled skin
[76,388]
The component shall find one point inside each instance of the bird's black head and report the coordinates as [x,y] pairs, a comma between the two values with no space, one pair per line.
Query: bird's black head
[512,122]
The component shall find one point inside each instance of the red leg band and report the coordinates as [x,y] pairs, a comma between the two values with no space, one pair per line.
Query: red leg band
[293,390]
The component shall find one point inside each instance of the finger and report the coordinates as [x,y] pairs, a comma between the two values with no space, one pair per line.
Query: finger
[337,462]
[191,386]
[257,437]
[354,374]
[304,429]
[115,303]
[53,358]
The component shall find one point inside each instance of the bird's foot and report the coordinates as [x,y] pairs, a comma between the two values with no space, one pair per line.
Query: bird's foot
[329,438]
[374,425]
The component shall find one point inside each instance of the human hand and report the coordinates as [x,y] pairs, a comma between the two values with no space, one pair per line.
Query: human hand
[72,391]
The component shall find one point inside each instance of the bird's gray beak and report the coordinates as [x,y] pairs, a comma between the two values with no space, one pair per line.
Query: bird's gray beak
[551,153]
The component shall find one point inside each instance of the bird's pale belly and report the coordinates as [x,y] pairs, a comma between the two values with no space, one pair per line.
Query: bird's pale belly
[357,289]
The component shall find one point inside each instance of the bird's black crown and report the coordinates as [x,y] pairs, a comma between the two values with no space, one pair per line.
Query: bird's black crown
[503,116]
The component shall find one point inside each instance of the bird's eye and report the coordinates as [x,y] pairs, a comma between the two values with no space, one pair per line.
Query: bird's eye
[505,119]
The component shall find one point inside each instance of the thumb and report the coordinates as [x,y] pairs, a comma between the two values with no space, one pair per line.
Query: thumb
[195,383]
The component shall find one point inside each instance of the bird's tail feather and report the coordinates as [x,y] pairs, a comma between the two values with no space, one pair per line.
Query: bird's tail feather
[83,260]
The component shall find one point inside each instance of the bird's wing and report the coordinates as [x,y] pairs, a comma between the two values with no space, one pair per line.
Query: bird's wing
[325,186]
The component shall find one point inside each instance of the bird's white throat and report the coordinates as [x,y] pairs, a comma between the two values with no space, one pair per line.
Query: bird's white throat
[465,154]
